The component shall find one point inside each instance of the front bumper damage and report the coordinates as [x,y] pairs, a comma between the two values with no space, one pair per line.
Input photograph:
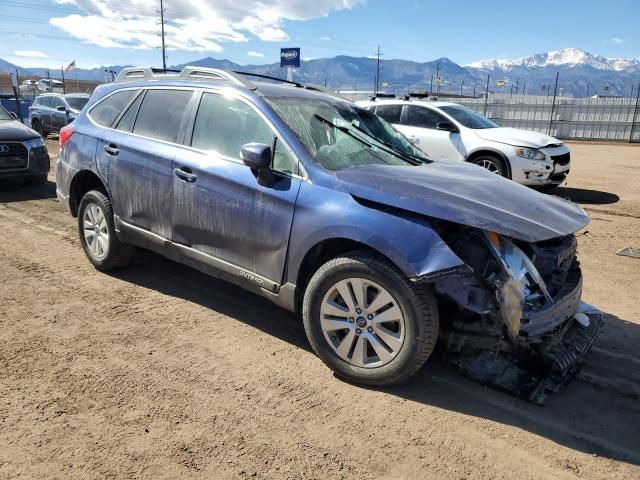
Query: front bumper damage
[517,323]
[557,360]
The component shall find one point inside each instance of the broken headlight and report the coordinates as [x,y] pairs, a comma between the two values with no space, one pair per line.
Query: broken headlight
[530,153]
[523,288]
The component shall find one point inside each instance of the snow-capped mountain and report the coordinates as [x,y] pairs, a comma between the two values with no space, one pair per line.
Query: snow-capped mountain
[567,57]
[581,73]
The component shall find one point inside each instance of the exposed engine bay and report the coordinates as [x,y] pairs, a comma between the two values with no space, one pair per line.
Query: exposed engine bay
[514,319]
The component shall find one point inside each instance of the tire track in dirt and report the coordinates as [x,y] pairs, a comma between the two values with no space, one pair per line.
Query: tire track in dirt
[160,371]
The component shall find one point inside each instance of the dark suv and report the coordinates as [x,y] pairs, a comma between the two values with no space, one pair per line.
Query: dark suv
[23,153]
[325,209]
[52,111]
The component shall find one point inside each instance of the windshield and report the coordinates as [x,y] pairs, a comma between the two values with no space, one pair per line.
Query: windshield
[4,115]
[469,118]
[340,135]
[77,103]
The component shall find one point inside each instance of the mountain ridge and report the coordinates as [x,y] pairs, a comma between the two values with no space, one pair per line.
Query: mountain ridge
[581,73]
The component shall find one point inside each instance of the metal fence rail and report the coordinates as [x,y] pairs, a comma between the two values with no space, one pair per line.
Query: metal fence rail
[613,119]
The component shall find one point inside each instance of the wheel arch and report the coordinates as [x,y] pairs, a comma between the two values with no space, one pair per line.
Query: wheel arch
[322,252]
[81,183]
[493,152]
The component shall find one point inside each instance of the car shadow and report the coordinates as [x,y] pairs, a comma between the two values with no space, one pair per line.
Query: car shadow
[592,415]
[16,190]
[585,196]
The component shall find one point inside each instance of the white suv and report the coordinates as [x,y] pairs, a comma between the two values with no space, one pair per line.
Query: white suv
[448,131]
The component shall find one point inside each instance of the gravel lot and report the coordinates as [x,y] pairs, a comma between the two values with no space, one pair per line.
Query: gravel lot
[158,371]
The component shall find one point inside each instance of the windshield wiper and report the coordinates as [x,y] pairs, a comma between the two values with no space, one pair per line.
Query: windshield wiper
[351,132]
[390,145]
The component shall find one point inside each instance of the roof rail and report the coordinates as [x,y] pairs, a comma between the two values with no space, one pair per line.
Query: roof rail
[289,82]
[188,73]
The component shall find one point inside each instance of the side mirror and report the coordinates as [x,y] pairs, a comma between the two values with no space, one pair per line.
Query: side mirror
[257,156]
[447,127]
[61,108]
[14,115]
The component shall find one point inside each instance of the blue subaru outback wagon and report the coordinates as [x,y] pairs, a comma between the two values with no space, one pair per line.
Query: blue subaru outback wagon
[327,210]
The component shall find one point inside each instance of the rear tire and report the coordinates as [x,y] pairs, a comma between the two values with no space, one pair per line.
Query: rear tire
[492,163]
[98,234]
[37,126]
[364,339]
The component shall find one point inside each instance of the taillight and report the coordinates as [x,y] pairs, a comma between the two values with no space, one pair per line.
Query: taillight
[65,134]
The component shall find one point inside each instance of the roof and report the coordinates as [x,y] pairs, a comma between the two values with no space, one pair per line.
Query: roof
[400,101]
[57,94]
[196,76]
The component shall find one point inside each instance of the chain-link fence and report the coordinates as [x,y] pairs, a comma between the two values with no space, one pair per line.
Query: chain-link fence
[615,119]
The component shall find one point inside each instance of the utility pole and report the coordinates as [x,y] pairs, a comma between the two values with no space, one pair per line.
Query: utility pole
[553,104]
[588,86]
[635,111]
[164,55]
[524,86]
[461,84]
[375,90]
[517,85]
[437,78]
[431,87]
[486,97]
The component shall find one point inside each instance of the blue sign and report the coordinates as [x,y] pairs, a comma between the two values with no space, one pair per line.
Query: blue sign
[290,57]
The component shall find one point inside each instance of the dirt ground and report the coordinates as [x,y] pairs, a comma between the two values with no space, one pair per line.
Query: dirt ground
[158,371]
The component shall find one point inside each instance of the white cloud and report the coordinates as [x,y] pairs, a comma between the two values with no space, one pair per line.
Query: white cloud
[30,54]
[251,53]
[326,39]
[192,25]
[616,40]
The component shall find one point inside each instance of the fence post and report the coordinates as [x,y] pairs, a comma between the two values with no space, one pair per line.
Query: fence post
[633,118]
[486,97]
[553,104]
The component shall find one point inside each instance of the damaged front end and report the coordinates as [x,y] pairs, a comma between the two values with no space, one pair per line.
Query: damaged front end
[515,320]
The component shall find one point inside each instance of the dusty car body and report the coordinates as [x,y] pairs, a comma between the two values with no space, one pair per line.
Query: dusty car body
[382,250]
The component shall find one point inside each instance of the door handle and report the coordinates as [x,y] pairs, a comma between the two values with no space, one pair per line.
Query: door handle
[185,174]
[111,149]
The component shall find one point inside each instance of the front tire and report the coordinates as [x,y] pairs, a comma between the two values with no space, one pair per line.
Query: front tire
[492,163]
[367,322]
[98,233]
[36,180]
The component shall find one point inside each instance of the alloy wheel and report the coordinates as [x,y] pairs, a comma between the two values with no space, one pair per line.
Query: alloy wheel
[490,165]
[362,322]
[95,231]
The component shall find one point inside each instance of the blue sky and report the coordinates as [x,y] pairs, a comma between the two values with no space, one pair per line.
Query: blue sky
[51,33]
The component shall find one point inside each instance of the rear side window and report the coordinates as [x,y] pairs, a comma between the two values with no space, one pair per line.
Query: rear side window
[224,125]
[161,114]
[391,113]
[422,117]
[126,121]
[45,101]
[105,112]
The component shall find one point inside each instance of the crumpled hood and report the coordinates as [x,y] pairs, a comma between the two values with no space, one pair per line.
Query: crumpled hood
[517,137]
[15,131]
[468,195]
